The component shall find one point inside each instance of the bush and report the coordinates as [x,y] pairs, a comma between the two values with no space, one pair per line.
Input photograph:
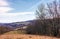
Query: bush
[4,29]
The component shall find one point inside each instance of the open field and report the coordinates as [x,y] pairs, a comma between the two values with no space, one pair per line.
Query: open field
[16,32]
[24,36]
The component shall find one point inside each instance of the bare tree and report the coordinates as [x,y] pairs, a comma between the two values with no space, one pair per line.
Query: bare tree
[40,12]
[40,23]
[47,24]
[38,27]
[54,12]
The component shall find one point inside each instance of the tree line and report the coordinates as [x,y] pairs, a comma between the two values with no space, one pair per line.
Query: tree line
[48,20]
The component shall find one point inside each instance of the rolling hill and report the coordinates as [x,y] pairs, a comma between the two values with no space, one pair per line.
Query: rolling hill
[15,25]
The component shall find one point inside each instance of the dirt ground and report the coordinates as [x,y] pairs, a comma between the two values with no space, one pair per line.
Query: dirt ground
[24,36]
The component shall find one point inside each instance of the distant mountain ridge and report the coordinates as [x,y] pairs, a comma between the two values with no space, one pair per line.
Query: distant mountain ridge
[17,24]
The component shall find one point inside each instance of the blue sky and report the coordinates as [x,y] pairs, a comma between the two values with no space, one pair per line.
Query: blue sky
[22,5]
[18,10]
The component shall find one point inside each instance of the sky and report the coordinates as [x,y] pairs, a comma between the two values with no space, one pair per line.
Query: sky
[18,10]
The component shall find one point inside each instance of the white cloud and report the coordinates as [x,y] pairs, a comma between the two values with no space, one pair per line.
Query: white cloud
[5,9]
[4,6]
[3,3]
[14,14]
[16,17]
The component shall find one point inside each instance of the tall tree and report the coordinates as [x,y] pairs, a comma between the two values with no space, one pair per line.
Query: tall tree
[54,12]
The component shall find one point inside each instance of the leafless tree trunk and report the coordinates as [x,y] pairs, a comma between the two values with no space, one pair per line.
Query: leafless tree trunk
[54,9]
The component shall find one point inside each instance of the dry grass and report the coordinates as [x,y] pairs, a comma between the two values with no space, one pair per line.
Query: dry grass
[24,36]
[16,35]
[16,32]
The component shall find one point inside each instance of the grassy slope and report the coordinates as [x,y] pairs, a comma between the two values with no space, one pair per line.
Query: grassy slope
[16,32]
[21,35]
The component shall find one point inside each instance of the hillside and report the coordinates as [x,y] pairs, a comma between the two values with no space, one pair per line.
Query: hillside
[17,24]
[6,27]
[16,32]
